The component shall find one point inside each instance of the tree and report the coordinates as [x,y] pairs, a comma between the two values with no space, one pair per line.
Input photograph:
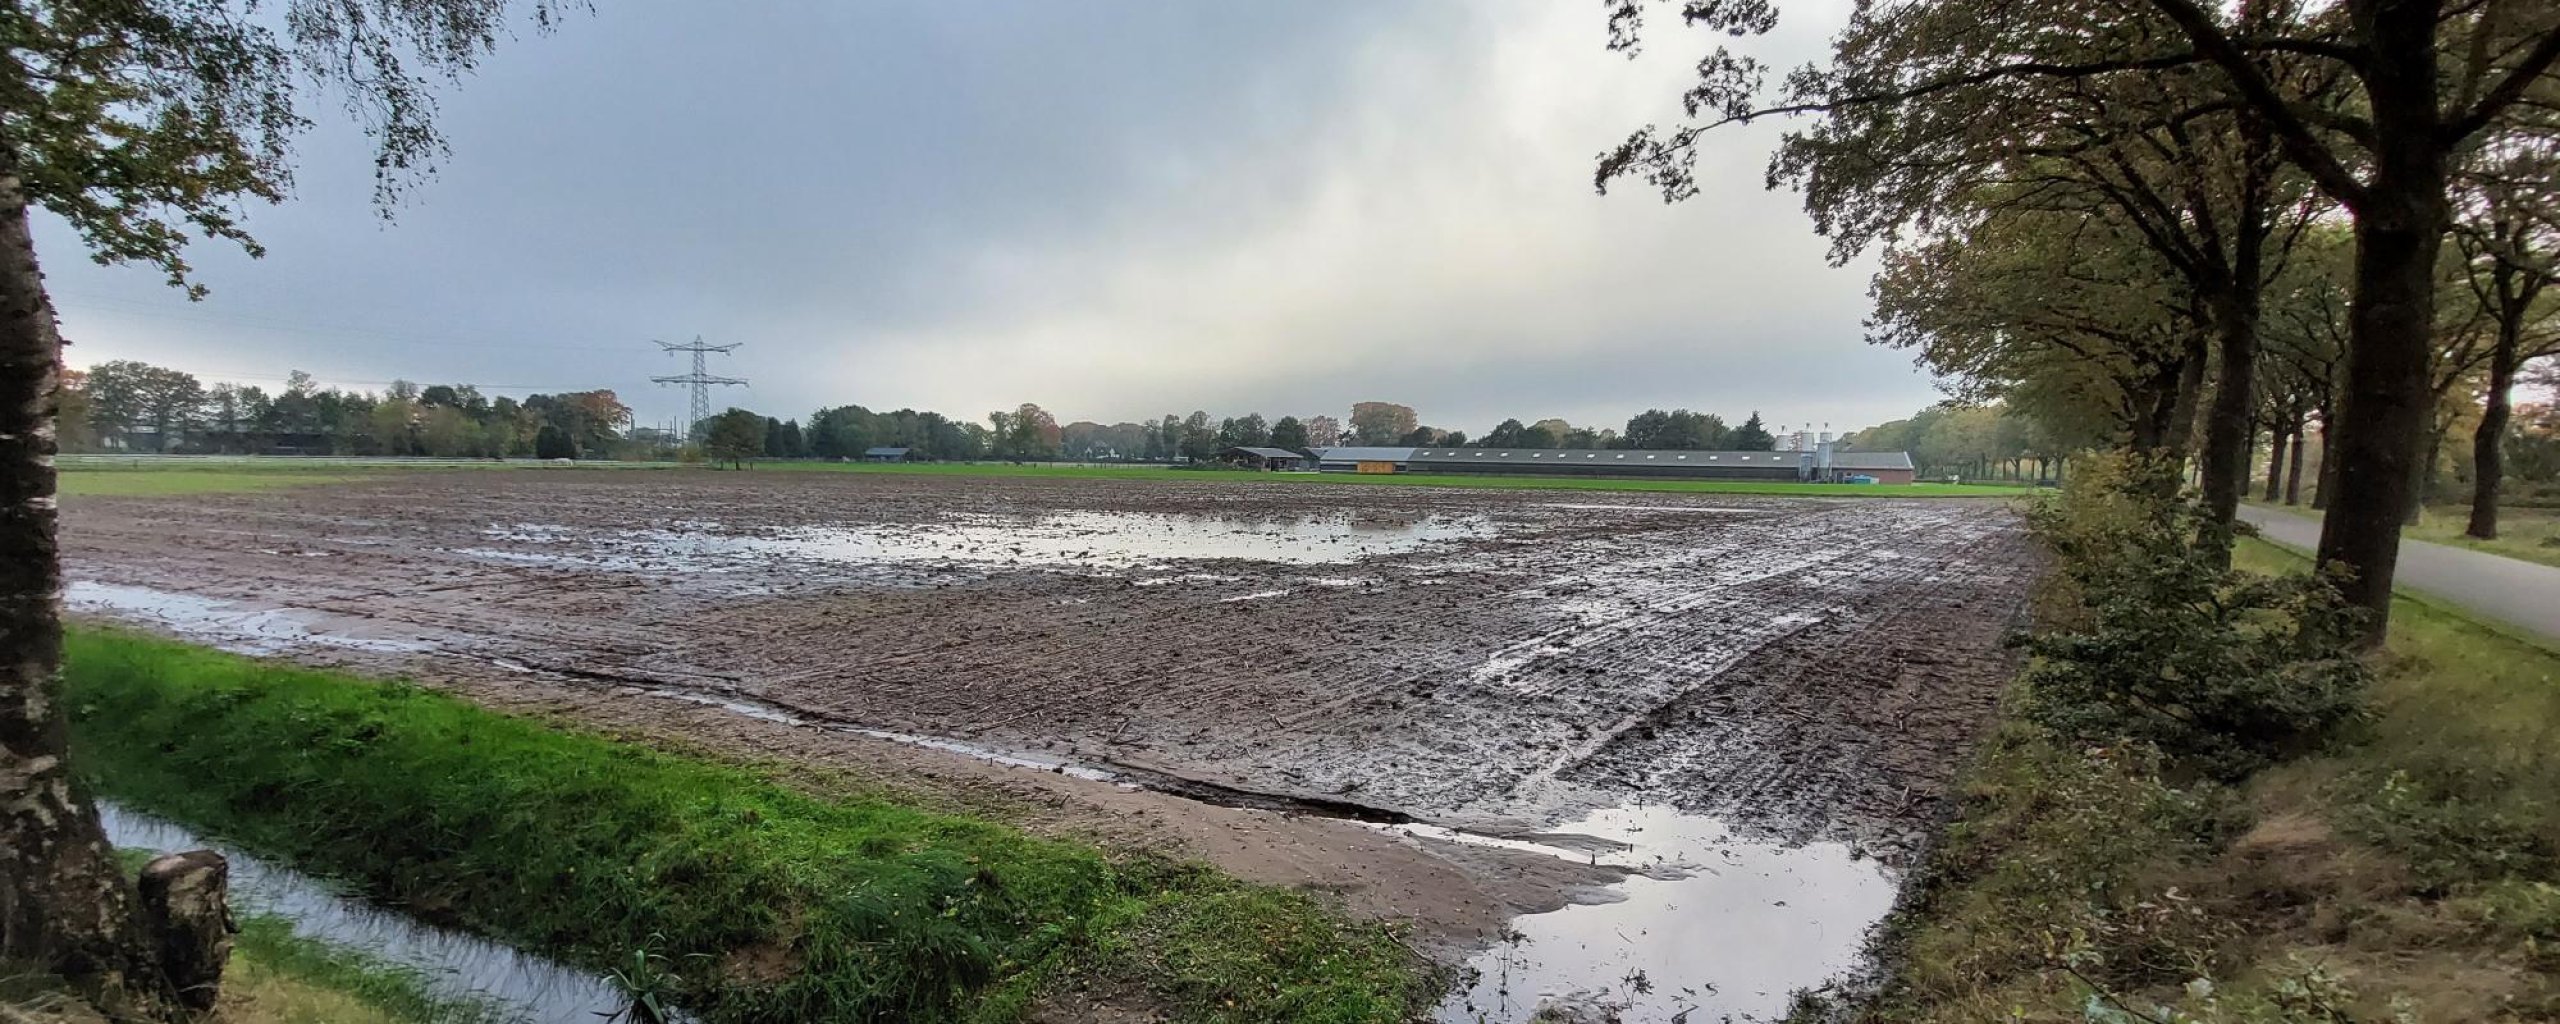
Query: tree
[2509,239]
[144,125]
[2382,147]
[1381,423]
[734,437]
[1031,433]
[131,401]
[1199,439]
[1323,432]
[551,442]
[1287,432]
[1752,437]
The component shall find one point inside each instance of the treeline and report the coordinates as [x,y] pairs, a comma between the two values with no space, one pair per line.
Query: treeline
[132,406]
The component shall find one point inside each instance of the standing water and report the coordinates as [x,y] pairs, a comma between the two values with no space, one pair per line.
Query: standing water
[1713,927]
[454,965]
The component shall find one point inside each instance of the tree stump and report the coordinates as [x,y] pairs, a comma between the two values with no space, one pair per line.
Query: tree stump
[186,902]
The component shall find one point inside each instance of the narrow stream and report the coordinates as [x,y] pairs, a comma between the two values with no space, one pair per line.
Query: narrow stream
[455,965]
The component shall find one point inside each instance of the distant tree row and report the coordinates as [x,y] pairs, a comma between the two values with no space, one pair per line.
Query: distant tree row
[132,406]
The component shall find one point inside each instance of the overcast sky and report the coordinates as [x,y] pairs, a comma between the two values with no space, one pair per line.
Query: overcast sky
[1115,209]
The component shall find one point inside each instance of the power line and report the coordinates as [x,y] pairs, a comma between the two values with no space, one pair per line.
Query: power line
[263,322]
[701,380]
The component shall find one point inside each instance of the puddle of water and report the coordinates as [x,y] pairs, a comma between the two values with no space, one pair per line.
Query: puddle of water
[454,965]
[228,625]
[1714,926]
[1606,507]
[1086,540]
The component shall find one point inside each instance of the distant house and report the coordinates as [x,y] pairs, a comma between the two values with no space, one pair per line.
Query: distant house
[1263,458]
[888,455]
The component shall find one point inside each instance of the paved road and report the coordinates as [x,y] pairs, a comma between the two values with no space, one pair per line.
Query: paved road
[2524,594]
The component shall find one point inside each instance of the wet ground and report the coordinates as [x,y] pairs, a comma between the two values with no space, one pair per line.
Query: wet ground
[1749,703]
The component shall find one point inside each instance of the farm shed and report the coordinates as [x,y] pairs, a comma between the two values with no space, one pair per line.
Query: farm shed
[1363,459]
[1263,458]
[886,454]
[1885,467]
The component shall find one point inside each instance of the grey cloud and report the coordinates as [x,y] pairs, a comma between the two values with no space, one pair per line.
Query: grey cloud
[1113,209]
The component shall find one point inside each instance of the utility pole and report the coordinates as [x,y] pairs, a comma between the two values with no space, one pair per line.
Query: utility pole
[700,379]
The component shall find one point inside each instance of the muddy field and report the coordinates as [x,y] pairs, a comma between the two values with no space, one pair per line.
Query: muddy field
[1488,684]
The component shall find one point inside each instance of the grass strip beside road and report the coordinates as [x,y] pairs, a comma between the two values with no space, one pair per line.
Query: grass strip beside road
[761,902]
[2412,868]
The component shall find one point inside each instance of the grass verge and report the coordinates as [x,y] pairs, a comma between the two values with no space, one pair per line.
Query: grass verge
[124,483]
[278,977]
[2409,872]
[2531,534]
[759,902]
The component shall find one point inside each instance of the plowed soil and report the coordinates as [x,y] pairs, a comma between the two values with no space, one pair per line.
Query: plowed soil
[1313,656]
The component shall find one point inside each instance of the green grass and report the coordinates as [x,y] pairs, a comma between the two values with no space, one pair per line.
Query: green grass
[1162,473]
[2414,866]
[276,975]
[765,903]
[2528,533]
[2531,534]
[126,483]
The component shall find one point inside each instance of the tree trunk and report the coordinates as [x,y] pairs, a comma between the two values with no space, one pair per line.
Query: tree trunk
[2230,432]
[66,907]
[2400,225]
[2325,486]
[2275,463]
[2488,460]
[2293,475]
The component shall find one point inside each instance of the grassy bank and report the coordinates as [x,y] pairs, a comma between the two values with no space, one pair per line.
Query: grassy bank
[277,977]
[2532,534]
[759,903]
[2408,871]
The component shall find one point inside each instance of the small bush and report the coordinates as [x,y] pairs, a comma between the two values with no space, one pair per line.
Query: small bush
[2156,642]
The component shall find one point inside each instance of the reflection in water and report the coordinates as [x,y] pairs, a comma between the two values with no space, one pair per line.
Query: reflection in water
[1715,926]
[1087,540]
[455,965]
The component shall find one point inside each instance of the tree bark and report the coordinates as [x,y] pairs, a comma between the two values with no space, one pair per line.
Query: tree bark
[66,907]
[186,903]
[2400,225]
[2293,475]
[2488,458]
[2325,485]
[2275,462]
[2230,432]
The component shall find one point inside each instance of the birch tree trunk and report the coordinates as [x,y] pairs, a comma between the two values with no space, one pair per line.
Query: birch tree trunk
[66,906]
